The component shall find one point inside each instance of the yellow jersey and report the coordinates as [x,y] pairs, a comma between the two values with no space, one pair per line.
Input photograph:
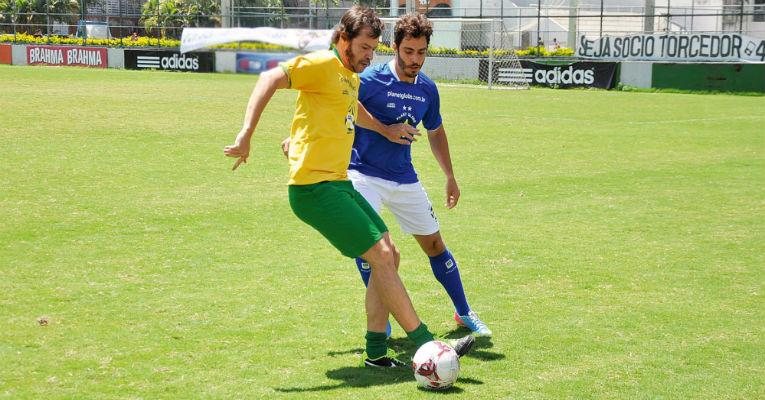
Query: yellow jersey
[322,130]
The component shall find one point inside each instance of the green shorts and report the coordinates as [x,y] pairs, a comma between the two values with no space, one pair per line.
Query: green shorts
[340,214]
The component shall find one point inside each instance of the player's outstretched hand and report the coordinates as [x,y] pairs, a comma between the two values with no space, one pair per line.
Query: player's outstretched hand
[240,150]
[401,133]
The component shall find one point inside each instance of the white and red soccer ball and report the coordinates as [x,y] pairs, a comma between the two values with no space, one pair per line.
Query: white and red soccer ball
[436,365]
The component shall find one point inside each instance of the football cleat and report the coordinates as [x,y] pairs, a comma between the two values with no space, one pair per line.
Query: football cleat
[384,362]
[472,322]
[462,346]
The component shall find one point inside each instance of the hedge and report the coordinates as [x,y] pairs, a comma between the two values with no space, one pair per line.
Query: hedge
[145,41]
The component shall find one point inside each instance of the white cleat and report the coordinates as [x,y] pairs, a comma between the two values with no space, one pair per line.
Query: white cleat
[472,322]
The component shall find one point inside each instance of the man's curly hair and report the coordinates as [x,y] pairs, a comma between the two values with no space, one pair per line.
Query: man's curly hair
[413,25]
[354,20]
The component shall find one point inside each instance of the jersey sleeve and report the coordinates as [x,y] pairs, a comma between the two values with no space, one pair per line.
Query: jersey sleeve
[303,73]
[365,89]
[432,118]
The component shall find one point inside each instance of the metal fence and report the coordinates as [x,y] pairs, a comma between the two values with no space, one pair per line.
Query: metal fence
[521,27]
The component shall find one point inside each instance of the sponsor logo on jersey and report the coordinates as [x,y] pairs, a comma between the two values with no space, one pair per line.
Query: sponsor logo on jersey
[406,96]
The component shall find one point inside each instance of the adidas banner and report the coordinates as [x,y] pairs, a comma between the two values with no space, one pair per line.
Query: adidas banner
[578,74]
[169,60]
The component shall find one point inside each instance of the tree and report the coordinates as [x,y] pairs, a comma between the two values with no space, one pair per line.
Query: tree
[35,12]
[64,10]
[172,15]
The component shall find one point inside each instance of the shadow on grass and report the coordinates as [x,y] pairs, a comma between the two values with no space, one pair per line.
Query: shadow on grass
[361,377]
[405,348]
[357,377]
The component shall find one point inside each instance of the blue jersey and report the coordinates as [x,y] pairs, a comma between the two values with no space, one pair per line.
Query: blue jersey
[390,101]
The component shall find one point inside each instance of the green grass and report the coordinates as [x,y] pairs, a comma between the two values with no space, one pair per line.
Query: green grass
[613,241]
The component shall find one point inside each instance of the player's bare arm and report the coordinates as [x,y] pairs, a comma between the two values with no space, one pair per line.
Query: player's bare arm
[397,133]
[268,83]
[439,145]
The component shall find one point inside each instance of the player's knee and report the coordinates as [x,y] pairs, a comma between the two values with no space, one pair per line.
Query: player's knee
[434,246]
[382,256]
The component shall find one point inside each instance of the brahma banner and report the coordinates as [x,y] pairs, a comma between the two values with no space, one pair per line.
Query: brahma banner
[67,56]
[725,47]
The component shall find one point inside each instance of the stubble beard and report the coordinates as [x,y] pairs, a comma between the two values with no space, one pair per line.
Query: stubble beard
[357,65]
[402,66]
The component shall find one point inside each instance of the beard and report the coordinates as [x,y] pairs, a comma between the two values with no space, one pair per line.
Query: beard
[410,70]
[357,64]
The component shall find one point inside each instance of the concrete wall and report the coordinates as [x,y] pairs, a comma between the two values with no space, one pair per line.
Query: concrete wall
[225,61]
[19,54]
[443,67]
[637,74]
[116,58]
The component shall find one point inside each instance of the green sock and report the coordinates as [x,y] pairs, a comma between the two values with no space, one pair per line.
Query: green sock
[377,344]
[421,335]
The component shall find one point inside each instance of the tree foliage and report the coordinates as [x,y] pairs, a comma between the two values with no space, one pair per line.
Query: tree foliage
[170,16]
[36,12]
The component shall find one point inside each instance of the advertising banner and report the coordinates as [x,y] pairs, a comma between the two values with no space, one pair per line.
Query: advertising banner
[67,56]
[724,47]
[301,39]
[578,74]
[5,54]
[255,63]
[169,61]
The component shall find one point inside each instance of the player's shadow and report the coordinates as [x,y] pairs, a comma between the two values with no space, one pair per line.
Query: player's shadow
[361,376]
[480,348]
[357,377]
[406,348]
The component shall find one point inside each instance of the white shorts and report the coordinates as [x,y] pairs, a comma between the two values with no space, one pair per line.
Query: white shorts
[407,201]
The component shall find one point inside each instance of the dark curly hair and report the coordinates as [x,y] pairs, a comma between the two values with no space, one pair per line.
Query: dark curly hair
[414,25]
[354,20]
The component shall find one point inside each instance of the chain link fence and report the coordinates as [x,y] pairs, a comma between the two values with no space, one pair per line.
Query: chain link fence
[547,25]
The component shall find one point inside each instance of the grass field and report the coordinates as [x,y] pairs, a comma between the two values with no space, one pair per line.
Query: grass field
[613,241]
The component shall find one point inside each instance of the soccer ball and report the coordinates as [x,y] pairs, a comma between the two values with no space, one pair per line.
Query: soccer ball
[436,365]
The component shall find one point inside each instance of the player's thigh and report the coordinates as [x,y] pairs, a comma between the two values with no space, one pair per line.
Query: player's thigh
[339,213]
[413,210]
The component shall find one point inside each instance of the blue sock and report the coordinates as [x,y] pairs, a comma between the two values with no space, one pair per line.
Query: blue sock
[445,269]
[364,270]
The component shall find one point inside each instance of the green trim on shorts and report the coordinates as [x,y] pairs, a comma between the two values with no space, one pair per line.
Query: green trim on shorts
[340,214]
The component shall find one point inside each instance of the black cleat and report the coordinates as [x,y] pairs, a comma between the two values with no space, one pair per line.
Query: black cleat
[464,345]
[384,362]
